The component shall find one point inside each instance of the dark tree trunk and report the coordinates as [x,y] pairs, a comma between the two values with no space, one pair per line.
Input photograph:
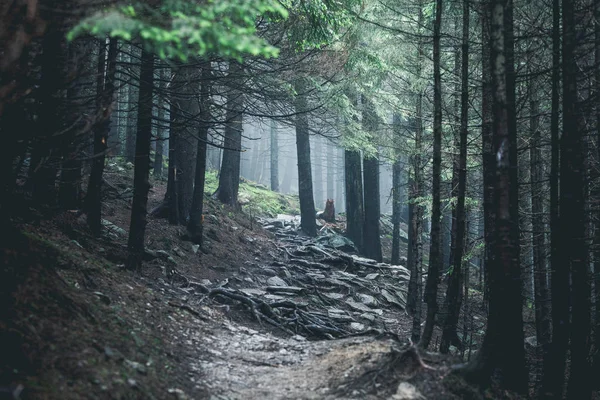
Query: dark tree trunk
[45,158]
[318,175]
[157,170]
[371,235]
[330,170]
[502,352]
[141,174]
[132,97]
[354,198]
[541,292]
[196,221]
[274,157]
[555,359]
[396,193]
[106,88]
[184,127]
[454,291]
[573,240]
[308,219]
[435,259]
[69,194]
[229,177]
[596,195]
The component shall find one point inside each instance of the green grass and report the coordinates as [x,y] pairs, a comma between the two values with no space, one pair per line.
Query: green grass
[258,200]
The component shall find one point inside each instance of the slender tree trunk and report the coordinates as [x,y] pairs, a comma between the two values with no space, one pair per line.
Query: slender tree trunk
[141,174]
[330,170]
[132,108]
[396,197]
[354,198]
[596,195]
[106,88]
[196,220]
[157,170]
[371,235]
[573,241]
[318,176]
[229,177]
[555,360]
[454,292]
[435,260]
[541,292]
[308,219]
[274,157]
[502,352]
[51,120]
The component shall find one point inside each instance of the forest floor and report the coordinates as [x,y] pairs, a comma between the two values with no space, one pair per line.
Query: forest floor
[76,325]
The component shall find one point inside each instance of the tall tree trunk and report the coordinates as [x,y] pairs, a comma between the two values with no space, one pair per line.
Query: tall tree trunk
[229,177]
[541,292]
[573,241]
[308,220]
[274,157]
[487,143]
[132,107]
[141,174]
[51,120]
[318,176]
[196,220]
[396,196]
[106,88]
[354,198]
[157,170]
[435,260]
[371,235]
[454,291]
[596,195]
[555,360]
[330,170]
[502,352]
[341,180]
[69,195]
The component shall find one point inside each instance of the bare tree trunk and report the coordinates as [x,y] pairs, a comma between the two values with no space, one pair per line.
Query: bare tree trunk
[160,132]
[274,157]
[502,352]
[435,260]
[308,219]
[454,292]
[132,109]
[229,177]
[106,88]
[354,198]
[141,174]
[195,224]
[396,196]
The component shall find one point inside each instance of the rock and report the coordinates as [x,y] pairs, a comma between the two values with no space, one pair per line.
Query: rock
[178,251]
[276,281]
[368,300]
[136,366]
[111,353]
[406,391]
[339,242]
[531,341]
[335,296]
[195,248]
[253,292]
[357,326]
[358,306]
[285,290]
[372,276]
[178,393]
[269,272]
[113,229]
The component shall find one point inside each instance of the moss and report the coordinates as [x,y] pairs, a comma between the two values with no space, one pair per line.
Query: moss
[258,199]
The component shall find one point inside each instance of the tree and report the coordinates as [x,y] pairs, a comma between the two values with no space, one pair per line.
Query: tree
[274,157]
[196,219]
[308,220]
[436,217]
[141,174]
[105,93]
[502,352]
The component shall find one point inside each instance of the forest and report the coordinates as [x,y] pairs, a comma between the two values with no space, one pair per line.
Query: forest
[300,199]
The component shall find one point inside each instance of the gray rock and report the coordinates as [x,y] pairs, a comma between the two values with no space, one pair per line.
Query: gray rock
[276,281]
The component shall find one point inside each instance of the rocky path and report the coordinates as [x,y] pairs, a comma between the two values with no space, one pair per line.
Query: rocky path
[322,324]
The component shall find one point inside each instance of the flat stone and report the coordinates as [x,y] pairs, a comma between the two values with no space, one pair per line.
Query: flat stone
[276,281]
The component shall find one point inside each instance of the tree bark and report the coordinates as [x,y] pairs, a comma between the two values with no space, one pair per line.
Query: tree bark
[141,174]
[106,88]
[454,291]
[354,198]
[274,157]
[195,224]
[229,177]
[396,195]
[502,352]
[157,170]
[308,219]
